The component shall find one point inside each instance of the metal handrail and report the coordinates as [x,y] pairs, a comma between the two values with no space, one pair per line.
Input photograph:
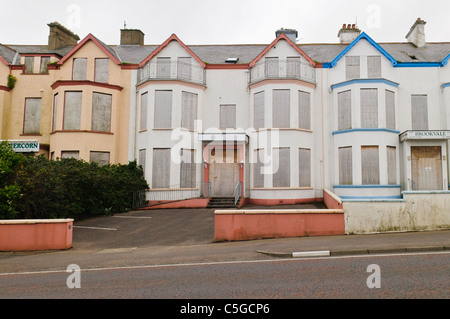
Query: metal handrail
[237,192]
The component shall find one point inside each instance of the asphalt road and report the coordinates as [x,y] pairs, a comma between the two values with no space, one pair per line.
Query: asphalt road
[416,275]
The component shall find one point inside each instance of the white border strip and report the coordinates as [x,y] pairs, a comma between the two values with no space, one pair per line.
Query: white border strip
[320,253]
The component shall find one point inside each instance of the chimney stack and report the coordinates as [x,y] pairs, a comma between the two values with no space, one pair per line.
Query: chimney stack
[131,37]
[416,34]
[348,33]
[290,33]
[60,37]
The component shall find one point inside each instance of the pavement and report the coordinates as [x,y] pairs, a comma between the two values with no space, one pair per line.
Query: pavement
[180,236]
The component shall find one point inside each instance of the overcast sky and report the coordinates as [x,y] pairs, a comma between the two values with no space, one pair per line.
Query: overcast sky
[222,21]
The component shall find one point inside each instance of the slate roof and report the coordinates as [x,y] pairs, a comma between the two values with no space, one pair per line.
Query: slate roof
[7,53]
[217,54]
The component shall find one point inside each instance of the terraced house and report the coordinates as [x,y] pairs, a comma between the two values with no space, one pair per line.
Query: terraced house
[273,123]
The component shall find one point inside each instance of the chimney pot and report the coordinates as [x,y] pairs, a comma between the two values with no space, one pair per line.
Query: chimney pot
[348,33]
[416,34]
[131,37]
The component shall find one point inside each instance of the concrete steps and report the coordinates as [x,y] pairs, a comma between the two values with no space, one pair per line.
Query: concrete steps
[221,202]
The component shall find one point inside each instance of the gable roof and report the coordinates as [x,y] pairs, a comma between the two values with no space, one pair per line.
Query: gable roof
[274,42]
[105,48]
[7,54]
[173,37]
[363,35]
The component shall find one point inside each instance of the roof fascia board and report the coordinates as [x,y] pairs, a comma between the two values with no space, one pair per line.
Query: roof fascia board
[274,42]
[173,37]
[89,37]
[363,35]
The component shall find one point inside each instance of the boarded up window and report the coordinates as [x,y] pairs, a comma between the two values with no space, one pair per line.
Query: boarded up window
[419,112]
[258,176]
[352,67]
[161,168]
[188,169]
[374,66]
[272,67]
[344,110]
[345,166]
[228,116]
[304,162]
[70,154]
[281,108]
[184,68]
[101,112]
[29,64]
[55,111]
[370,167]
[390,109]
[144,106]
[32,119]
[304,110]
[163,67]
[72,110]
[163,109]
[142,158]
[293,67]
[259,110]
[369,108]
[79,69]
[45,60]
[102,70]
[188,110]
[392,165]
[101,158]
[282,160]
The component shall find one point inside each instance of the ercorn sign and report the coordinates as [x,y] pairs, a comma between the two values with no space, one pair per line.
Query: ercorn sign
[24,146]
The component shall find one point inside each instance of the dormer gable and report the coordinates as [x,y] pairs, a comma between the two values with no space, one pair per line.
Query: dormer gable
[281,36]
[106,49]
[165,44]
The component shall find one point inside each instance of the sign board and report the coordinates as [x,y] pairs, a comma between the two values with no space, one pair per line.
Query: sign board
[25,146]
[420,135]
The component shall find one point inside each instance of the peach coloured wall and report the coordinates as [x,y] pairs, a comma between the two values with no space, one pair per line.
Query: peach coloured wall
[32,235]
[235,225]
[331,200]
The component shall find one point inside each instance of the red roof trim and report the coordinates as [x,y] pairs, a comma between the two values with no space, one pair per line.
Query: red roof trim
[270,46]
[89,37]
[173,37]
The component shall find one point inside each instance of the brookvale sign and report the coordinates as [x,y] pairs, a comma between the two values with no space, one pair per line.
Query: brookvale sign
[24,146]
[424,135]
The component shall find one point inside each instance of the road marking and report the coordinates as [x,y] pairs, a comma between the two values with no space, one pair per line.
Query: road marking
[228,263]
[100,228]
[143,217]
[311,253]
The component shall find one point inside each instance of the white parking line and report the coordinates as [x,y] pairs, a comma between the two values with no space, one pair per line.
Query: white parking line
[143,217]
[100,228]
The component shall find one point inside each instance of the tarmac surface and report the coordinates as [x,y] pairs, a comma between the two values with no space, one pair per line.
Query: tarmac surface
[176,236]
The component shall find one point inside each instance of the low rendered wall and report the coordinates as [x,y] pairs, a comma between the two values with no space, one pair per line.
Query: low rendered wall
[235,225]
[417,211]
[32,235]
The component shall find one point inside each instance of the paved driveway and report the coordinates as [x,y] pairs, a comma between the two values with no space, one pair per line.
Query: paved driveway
[167,227]
[162,227]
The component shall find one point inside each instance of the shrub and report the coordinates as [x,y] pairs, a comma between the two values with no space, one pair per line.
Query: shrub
[70,188]
[10,162]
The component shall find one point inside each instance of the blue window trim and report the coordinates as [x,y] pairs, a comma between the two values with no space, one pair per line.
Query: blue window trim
[366,130]
[443,86]
[371,198]
[364,81]
[368,186]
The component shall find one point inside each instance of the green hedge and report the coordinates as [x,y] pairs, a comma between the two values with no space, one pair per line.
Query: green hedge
[70,188]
